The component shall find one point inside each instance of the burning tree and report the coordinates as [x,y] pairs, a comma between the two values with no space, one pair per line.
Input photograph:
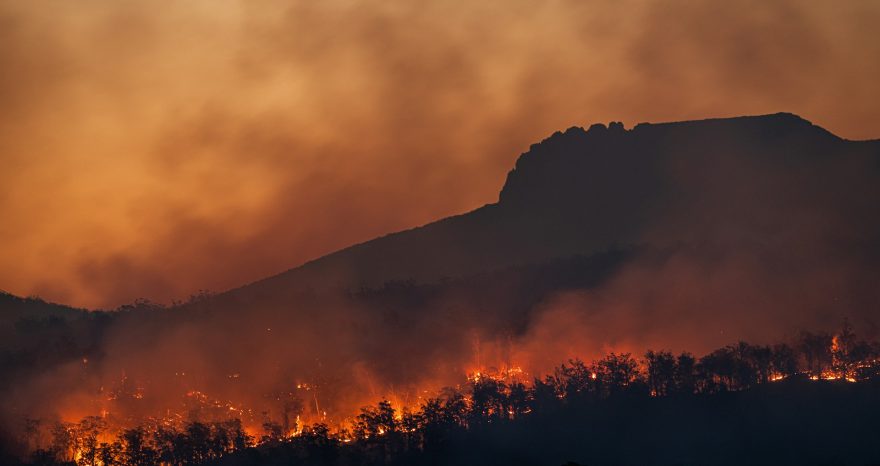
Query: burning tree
[492,400]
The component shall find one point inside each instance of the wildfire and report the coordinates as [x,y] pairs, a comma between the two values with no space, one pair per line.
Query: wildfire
[512,373]
[293,412]
[297,428]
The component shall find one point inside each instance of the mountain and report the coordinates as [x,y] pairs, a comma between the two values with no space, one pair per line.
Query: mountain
[774,179]
[677,236]
[769,205]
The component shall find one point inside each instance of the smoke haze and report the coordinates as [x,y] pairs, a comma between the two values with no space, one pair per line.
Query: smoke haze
[151,152]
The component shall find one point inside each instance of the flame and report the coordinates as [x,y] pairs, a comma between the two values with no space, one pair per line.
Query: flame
[512,373]
[128,402]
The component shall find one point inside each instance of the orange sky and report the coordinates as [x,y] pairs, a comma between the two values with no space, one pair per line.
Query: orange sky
[151,151]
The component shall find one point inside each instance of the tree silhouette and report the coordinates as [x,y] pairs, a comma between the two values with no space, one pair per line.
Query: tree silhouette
[376,421]
[488,401]
[746,370]
[615,372]
[760,358]
[519,400]
[575,380]
[685,374]
[783,360]
[578,401]
[660,372]
[86,439]
[716,370]
[198,442]
[135,449]
[320,447]
[816,348]
[274,432]
[110,454]
[546,394]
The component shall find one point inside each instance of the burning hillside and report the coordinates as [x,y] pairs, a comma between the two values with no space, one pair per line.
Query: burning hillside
[682,236]
[202,429]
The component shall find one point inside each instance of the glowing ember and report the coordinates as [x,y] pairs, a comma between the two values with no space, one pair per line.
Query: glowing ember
[489,393]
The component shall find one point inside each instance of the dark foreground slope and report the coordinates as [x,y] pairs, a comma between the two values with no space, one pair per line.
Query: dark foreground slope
[795,422]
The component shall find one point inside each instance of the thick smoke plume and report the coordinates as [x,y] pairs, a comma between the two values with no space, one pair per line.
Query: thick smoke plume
[154,152]
[760,240]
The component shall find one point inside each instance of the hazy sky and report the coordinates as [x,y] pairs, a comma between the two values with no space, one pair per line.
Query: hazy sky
[151,149]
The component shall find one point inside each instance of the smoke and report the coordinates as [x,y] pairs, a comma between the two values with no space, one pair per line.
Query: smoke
[690,302]
[153,152]
[320,358]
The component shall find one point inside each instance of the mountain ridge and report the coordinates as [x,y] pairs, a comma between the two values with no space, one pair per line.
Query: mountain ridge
[571,178]
[581,191]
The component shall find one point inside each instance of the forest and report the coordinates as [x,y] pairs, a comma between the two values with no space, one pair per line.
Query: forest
[812,400]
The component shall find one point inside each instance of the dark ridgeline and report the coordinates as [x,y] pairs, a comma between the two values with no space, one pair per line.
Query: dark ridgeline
[579,207]
[713,184]
[588,191]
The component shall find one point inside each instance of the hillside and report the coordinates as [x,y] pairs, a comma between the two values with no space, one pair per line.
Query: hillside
[719,181]
[681,236]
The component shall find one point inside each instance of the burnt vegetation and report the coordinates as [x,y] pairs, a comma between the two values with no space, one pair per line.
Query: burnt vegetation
[813,400]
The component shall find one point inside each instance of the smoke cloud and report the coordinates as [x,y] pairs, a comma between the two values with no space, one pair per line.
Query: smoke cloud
[151,152]
[154,152]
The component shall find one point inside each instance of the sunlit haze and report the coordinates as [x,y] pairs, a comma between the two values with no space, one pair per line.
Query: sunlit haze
[153,150]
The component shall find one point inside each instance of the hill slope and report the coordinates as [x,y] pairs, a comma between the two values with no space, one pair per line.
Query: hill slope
[774,179]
